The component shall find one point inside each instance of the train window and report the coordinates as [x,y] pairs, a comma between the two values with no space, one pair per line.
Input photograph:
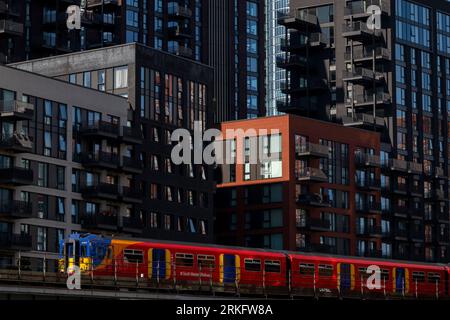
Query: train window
[252,265]
[184,260]
[83,250]
[206,262]
[272,266]
[385,274]
[307,269]
[133,256]
[418,276]
[434,277]
[325,270]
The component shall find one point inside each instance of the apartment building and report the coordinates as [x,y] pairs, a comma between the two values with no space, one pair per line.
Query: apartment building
[393,80]
[165,93]
[321,193]
[66,165]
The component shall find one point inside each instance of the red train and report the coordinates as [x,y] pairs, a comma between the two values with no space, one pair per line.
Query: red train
[249,271]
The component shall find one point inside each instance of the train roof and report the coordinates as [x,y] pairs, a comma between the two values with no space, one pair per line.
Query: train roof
[291,253]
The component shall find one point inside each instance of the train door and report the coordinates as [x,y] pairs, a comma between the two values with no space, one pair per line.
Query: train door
[159,267]
[346,276]
[229,268]
[401,280]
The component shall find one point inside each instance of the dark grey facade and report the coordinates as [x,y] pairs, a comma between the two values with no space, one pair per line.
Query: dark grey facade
[164,92]
[394,80]
[48,186]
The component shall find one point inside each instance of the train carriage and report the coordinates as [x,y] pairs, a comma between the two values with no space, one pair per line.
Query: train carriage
[182,266]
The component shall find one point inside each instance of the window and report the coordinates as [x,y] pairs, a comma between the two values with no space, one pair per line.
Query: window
[133,256]
[434,277]
[121,77]
[272,266]
[43,175]
[253,265]
[418,276]
[325,270]
[184,260]
[41,244]
[206,262]
[87,79]
[307,269]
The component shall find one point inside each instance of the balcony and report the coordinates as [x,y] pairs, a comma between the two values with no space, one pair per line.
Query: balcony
[16,210]
[314,225]
[102,221]
[16,176]
[359,31]
[132,195]
[439,195]
[443,217]
[369,208]
[400,211]
[400,189]
[131,166]
[184,52]
[313,200]
[175,11]
[311,175]
[370,254]
[369,231]
[367,160]
[368,184]
[365,121]
[397,165]
[415,168]
[401,235]
[104,191]
[443,239]
[416,191]
[362,76]
[315,40]
[95,3]
[100,160]
[368,54]
[17,143]
[417,236]
[312,150]
[299,20]
[380,100]
[16,110]
[101,129]
[178,32]
[416,213]
[132,136]
[358,9]
[15,242]
[439,173]
[311,86]
[293,62]
[132,225]
[11,28]
[300,106]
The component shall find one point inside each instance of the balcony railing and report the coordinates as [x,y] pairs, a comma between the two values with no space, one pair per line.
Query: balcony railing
[132,195]
[300,16]
[16,176]
[102,191]
[398,165]
[380,98]
[131,165]
[132,135]
[358,28]
[16,110]
[313,200]
[104,220]
[11,27]
[179,11]
[100,159]
[367,160]
[365,53]
[415,168]
[94,3]
[311,174]
[132,224]
[292,62]
[312,150]
[360,7]
[15,241]
[371,231]
[101,128]
[16,142]
[16,209]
